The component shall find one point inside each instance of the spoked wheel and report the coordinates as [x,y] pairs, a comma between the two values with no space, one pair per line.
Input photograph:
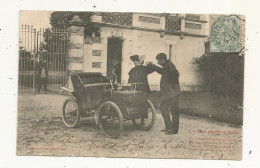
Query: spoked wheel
[110,119]
[147,121]
[70,113]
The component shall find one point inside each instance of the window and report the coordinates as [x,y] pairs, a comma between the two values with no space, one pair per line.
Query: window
[96,64]
[96,52]
[170,52]
[192,16]
[192,25]
[149,19]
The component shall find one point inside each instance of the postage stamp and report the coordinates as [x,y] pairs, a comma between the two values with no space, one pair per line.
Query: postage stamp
[225,33]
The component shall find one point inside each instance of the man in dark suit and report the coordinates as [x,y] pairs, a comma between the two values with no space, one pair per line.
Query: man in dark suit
[170,91]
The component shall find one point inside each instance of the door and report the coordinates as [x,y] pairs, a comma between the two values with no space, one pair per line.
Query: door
[114,57]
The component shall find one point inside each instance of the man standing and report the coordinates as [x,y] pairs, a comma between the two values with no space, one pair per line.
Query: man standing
[42,77]
[170,91]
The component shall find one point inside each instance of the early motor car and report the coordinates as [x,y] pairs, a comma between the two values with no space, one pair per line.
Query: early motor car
[97,94]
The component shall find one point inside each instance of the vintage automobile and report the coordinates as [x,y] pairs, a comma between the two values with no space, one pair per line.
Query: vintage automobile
[97,94]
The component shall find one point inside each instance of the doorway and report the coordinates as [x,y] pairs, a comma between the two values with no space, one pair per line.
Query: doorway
[114,57]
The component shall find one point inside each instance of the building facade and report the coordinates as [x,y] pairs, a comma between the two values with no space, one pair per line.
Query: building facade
[180,36]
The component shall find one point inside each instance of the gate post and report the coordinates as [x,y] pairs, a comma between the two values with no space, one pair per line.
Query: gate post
[76,47]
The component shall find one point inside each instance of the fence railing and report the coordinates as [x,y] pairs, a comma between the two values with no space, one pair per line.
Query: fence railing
[27,46]
[46,46]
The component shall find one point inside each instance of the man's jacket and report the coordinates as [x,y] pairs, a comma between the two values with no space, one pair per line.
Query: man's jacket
[169,84]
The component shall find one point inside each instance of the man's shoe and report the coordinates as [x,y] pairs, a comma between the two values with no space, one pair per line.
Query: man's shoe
[170,132]
[165,130]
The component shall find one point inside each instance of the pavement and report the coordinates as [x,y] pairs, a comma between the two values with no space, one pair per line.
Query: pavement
[41,131]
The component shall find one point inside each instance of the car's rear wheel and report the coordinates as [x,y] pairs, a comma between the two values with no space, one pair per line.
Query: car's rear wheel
[70,113]
[110,119]
[147,121]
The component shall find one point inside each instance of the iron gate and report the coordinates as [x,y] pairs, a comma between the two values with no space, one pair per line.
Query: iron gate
[46,45]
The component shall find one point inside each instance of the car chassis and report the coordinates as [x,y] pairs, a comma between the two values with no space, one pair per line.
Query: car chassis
[111,103]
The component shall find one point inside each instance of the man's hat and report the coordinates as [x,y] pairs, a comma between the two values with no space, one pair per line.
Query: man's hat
[139,58]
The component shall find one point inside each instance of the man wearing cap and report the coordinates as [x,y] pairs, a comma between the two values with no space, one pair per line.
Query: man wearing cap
[139,73]
[170,91]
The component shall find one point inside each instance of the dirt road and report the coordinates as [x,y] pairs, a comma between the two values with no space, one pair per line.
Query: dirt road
[41,132]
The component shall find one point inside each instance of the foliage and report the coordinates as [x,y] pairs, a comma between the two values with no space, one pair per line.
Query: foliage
[41,53]
[54,48]
[222,73]
[62,20]
[26,60]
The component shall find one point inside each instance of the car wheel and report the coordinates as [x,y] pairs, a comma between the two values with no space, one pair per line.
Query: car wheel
[70,113]
[110,119]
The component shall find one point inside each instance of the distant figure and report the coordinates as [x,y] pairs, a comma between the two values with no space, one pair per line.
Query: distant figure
[117,70]
[42,77]
[139,74]
[170,91]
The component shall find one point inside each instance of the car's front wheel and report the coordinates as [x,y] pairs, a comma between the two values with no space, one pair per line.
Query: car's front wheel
[110,119]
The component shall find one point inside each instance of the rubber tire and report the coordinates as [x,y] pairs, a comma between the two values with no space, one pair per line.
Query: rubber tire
[153,118]
[119,113]
[77,113]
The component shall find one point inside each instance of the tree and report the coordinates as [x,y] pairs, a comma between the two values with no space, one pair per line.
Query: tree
[54,46]
[62,20]
[222,73]
[26,60]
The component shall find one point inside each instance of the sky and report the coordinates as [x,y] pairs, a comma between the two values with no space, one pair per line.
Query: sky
[37,19]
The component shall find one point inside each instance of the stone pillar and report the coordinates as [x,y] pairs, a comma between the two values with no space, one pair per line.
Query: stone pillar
[75,49]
